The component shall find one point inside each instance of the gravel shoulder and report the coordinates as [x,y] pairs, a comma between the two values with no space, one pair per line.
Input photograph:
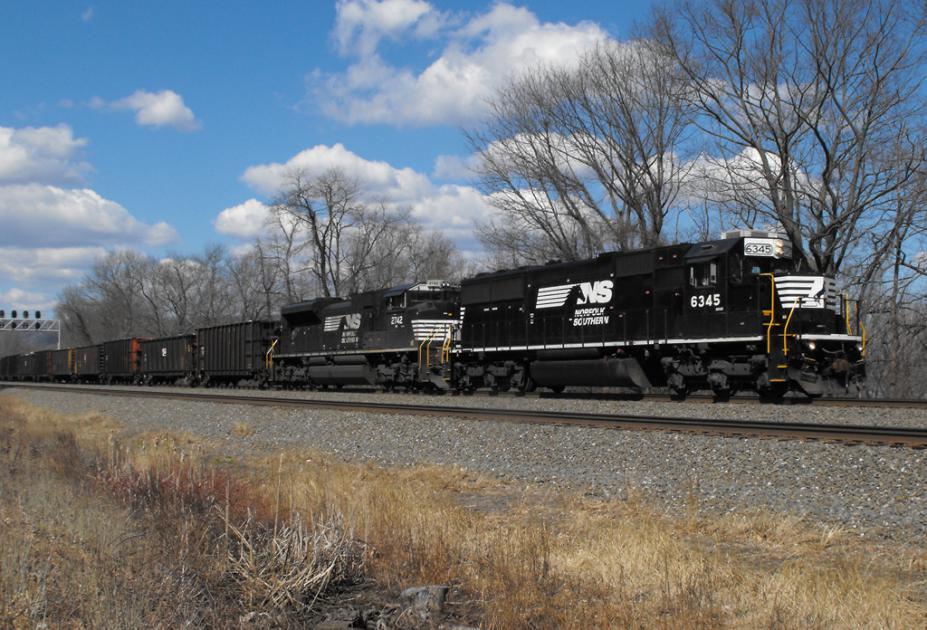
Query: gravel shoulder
[877,491]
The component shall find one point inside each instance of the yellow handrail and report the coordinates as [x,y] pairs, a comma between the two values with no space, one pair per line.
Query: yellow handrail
[846,313]
[772,311]
[446,346]
[785,332]
[862,342]
[421,345]
[269,355]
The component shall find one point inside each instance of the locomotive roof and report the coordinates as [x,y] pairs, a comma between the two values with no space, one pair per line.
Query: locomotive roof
[308,305]
[435,285]
[709,249]
[503,273]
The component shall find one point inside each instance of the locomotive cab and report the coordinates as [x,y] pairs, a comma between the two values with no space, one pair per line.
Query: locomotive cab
[808,339]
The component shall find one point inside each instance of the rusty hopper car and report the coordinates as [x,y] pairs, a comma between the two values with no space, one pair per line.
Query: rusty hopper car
[88,363]
[235,354]
[121,360]
[61,364]
[169,360]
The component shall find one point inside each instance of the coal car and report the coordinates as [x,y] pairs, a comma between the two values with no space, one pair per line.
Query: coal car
[235,354]
[169,360]
[122,361]
[88,363]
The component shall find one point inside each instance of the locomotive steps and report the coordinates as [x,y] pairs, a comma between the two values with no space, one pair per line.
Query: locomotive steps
[829,432]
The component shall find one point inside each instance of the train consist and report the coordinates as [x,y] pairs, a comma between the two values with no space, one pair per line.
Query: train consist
[727,315]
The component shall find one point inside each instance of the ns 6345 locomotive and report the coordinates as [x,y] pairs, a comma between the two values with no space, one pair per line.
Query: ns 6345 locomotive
[726,315]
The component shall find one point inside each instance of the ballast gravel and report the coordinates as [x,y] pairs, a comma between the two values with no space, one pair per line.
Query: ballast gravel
[875,490]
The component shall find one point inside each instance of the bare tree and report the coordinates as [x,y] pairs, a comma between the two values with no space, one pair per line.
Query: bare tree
[580,159]
[377,241]
[808,102]
[327,205]
[288,245]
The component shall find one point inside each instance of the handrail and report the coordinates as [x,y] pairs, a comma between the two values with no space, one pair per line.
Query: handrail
[863,340]
[421,345]
[446,346]
[428,351]
[846,313]
[785,331]
[269,355]
[772,311]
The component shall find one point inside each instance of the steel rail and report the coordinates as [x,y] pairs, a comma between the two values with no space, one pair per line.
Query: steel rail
[837,433]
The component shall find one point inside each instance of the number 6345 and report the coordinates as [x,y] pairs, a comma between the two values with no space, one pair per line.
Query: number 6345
[712,299]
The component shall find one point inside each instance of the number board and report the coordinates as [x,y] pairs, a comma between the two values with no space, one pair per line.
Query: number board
[710,301]
[767,247]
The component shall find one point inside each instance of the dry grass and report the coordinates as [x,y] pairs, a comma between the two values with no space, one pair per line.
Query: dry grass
[212,539]
[242,430]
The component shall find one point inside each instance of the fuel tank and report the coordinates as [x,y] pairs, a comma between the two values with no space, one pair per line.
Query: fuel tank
[604,372]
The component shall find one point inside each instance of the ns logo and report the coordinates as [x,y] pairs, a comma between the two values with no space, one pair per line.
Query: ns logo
[598,292]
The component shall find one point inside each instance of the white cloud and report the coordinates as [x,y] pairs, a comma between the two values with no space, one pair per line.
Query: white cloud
[39,215]
[87,14]
[246,220]
[156,109]
[477,57]
[21,299]
[380,180]
[52,234]
[449,207]
[360,24]
[454,210]
[455,166]
[47,264]
[41,154]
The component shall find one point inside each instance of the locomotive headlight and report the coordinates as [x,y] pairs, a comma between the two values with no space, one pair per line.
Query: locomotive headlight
[811,345]
[859,347]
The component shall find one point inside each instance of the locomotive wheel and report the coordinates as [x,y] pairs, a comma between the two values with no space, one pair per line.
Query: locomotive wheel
[773,393]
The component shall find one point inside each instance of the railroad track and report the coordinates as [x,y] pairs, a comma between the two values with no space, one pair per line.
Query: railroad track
[748,399]
[836,433]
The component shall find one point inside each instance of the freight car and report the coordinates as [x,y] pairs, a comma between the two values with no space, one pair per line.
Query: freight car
[32,366]
[88,363]
[121,361]
[235,354]
[8,367]
[61,365]
[169,360]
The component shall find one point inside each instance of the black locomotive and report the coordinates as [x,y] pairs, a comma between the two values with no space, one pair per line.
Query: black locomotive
[727,315]
[730,314]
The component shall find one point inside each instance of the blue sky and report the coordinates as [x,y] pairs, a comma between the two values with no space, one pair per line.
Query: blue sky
[166,126]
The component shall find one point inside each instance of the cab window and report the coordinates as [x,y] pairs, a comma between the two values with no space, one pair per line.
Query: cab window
[704,274]
[396,301]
